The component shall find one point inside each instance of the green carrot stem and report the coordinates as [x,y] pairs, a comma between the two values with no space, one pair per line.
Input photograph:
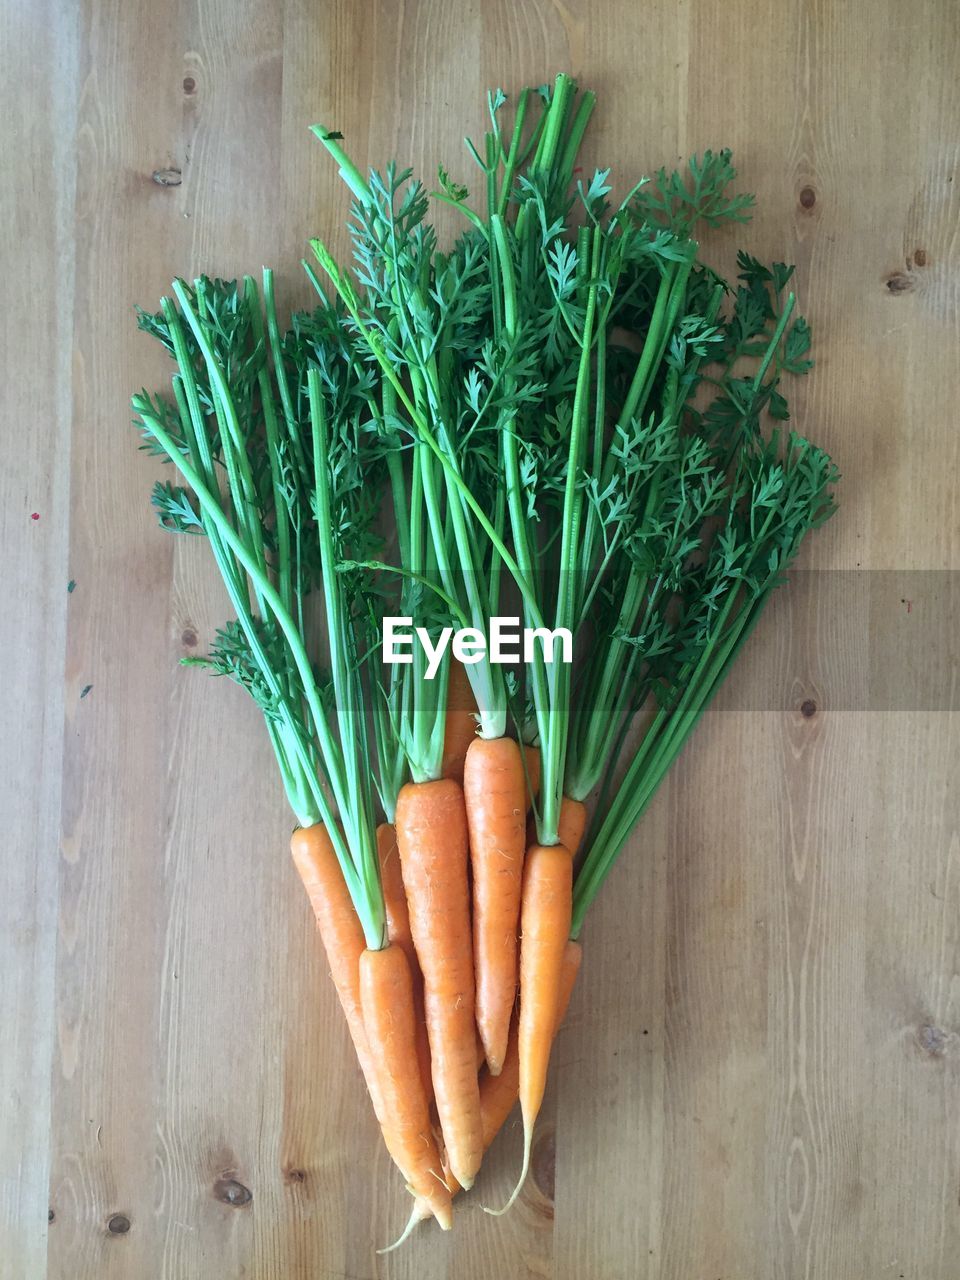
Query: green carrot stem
[281,514]
[418,420]
[242,488]
[370,911]
[291,418]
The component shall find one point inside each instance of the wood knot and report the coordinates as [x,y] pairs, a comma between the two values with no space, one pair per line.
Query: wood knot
[189,85]
[293,1176]
[118,1225]
[808,197]
[167,177]
[51,1216]
[919,257]
[932,1040]
[808,709]
[899,282]
[188,638]
[232,1192]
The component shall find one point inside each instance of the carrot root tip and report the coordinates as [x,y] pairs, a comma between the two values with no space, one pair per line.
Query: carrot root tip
[527,1144]
[415,1218]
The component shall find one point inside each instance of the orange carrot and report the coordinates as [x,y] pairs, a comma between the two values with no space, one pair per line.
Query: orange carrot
[340,932]
[394,896]
[494,792]
[570,826]
[498,1094]
[432,836]
[398,931]
[386,992]
[460,728]
[544,927]
[424,1211]
[531,757]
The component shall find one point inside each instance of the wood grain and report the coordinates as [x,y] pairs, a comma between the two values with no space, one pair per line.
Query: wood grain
[760,1074]
[36,201]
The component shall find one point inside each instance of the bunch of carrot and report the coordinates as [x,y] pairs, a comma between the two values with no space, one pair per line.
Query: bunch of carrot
[564,414]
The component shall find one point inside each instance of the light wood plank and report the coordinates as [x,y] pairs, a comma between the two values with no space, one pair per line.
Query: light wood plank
[116,803]
[759,1074]
[37,63]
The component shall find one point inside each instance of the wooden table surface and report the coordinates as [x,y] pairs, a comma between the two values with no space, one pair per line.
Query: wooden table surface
[760,1075]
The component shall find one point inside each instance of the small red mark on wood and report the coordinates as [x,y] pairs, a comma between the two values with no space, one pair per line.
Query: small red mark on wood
[34,515]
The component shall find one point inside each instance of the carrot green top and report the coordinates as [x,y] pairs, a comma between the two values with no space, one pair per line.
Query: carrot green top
[554,365]
[567,411]
[267,436]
